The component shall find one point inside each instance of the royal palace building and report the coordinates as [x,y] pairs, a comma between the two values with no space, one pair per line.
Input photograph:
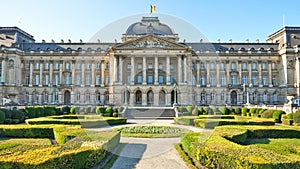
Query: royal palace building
[149,67]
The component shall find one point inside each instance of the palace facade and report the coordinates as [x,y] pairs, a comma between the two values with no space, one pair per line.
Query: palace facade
[149,67]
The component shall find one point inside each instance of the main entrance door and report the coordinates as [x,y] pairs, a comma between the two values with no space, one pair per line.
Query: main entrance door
[233,97]
[162,97]
[150,97]
[173,97]
[67,97]
[138,97]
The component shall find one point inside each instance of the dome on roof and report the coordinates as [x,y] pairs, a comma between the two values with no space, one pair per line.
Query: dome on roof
[149,25]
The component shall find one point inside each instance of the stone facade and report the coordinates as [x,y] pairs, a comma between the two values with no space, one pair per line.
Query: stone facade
[150,67]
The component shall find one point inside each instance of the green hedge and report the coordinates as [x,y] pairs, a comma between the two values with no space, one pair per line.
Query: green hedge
[224,149]
[287,119]
[277,115]
[83,152]
[268,113]
[2,117]
[212,123]
[185,120]
[296,117]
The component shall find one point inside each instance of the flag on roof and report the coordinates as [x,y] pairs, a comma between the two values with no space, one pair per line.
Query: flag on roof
[152,8]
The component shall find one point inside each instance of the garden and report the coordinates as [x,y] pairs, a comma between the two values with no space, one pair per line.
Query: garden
[54,137]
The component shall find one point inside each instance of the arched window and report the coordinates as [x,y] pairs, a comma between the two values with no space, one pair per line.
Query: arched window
[265,97]
[106,97]
[275,97]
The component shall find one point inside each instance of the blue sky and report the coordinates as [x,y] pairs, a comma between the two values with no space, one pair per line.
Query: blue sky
[216,19]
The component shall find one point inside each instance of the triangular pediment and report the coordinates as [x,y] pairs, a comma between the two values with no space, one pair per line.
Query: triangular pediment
[150,42]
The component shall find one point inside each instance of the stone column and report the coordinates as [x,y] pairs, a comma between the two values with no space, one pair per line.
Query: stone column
[103,67]
[131,99]
[168,70]
[144,98]
[250,72]
[41,73]
[73,73]
[185,69]
[198,73]
[31,74]
[270,72]
[144,71]
[60,72]
[240,72]
[93,74]
[259,75]
[156,97]
[227,73]
[179,69]
[207,73]
[155,70]
[218,75]
[132,70]
[115,69]
[51,73]
[4,69]
[82,74]
[121,69]
[168,98]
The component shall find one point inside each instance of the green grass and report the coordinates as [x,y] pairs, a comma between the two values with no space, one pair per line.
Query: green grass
[151,131]
[184,156]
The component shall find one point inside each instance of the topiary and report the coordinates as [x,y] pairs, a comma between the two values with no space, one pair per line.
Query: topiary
[74,110]
[207,110]
[200,111]
[252,111]
[49,111]
[16,114]
[268,113]
[2,117]
[296,117]
[224,110]
[65,110]
[109,111]
[189,109]
[115,114]
[30,110]
[277,115]
[7,121]
[245,110]
[39,111]
[237,110]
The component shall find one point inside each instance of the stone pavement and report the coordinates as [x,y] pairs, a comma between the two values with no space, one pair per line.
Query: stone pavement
[149,153]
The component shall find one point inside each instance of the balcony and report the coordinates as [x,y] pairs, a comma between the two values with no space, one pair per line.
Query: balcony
[235,86]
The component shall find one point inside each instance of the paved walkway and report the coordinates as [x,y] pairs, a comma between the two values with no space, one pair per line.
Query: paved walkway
[149,153]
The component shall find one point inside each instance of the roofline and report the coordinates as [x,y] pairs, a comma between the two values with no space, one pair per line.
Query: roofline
[286,28]
[18,30]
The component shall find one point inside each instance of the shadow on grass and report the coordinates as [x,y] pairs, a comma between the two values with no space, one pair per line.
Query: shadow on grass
[257,141]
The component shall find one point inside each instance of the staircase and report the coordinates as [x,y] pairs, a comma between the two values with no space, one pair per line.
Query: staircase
[149,113]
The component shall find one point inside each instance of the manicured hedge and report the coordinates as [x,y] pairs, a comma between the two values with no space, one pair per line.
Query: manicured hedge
[277,115]
[2,117]
[296,118]
[287,119]
[185,120]
[223,148]
[212,123]
[84,151]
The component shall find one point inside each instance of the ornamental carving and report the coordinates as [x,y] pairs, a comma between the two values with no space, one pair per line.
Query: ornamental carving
[150,43]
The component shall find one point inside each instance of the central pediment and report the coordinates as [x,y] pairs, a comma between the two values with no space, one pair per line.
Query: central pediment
[150,42]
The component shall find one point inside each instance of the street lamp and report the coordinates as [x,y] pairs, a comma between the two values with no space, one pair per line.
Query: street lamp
[248,90]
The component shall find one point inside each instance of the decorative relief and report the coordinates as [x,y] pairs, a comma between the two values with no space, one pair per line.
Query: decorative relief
[149,43]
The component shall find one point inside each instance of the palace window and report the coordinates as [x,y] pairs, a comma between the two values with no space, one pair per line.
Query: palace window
[244,79]
[222,96]
[98,66]
[45,97]
[46,82]
[265,97]
[27,66]
[37,79]
[78,65]
[56,80]
[254,66]
[106,80]
[202,80]
[160,66]
[128,79]
[129,66]
[68,79]
[244,66]
[78,79]
[150,79]
[171,66]
[78,96]
[253,81]
[139,79]
[27,80]
[203,97]
[212,80]
[47,66]
[212,97]
[68,66]
[274,66]
[150,66]
[98,80]
[193,80]
[212,65]
[88,79]
[275,97]
[264,66]
[274,80]
[222,80]
[264,80]
[98,97]
[202,66]
[193,66]
[233,66]
[37,65]
[56,66]
[160,79]
[88,65]
[233,80]
[139,66]
[171,79]
[26,99]
[87,97]
[222,66]
[107,65]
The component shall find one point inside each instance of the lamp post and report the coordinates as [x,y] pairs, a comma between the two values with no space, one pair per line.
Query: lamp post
[175,96]
[248,90]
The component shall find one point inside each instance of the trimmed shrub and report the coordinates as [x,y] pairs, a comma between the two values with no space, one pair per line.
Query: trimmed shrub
[39,111]
[296,117]
[268,113]
[200,111]
[7,113]
[16,114]
[2,117]
[189,109]
[49,111]
[237,110]
[245,111]
[287,119]
[195,112]
[185,120]
[224,110]
[31,111]
[252,111]
[65,110]
[7,121]
[206,110]
[100,110]
[261,111]
[212,123]
[277,115]
[115,114]
[74,110]
[109,111]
